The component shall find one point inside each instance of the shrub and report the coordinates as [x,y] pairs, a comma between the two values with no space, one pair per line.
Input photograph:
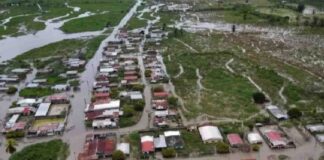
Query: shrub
[12,90]
[255,147]
[118,155]
[148,73]
[168,153]
[259,98]
[15,134]
[294,113]
[222,147]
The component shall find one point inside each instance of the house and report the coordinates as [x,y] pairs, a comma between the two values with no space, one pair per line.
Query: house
[147,144]
[42,110]
[275,138]
[254,138]
[21,110]
[105,123]
[159,142]
[32,85]
[160,104]
[135,95]
[113,104]
[40,81]
[161,113]
[3,87]
[320,137]
[173,139]
[315,128]
[12,121]
[210,134]
[72,74]
[61,87]
[276,112]
[124,147]
[234,140]
[26,102]
[160,95]
[20,70]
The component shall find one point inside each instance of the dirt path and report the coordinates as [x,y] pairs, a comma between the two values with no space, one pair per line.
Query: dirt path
[180,72]
[228,67]
[257,86]
[187,45]
[284,99]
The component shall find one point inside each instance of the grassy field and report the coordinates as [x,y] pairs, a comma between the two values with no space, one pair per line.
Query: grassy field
[64,48]
[35,92]
[54,149]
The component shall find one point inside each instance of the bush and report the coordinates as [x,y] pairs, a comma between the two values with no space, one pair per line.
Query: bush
[300,8]
[255,147]
[168,153]
[294,113]
[15,134]
[259,98]
[118,155]
[12,90]
[222,147]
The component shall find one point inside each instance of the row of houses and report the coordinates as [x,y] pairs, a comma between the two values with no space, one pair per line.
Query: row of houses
[102,146]
[153,64]
[115,73]
[38,117]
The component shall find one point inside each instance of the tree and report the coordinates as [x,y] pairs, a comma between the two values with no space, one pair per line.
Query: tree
[12,90]
[168,153]
[294,113]
[11,146]
[175,32]
[259,98]
[118,155]
[222,147]
[139,105]
[164,27]
[300,7]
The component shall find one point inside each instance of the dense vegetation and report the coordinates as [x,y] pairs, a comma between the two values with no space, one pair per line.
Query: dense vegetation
[51,150]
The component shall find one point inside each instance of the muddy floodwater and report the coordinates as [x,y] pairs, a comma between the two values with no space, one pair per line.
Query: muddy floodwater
[11,47]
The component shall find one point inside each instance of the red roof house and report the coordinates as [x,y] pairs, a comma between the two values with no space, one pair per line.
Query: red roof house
[160,94]
[234,139]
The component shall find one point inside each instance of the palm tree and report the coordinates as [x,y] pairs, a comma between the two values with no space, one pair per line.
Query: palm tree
[11,145]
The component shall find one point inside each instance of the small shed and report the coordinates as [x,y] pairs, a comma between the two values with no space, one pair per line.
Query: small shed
[124,147]
[254,138]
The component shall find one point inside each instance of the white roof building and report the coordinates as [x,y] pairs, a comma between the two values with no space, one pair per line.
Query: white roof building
[254,138]
[124,147]
[162,113]
[276,112]
[320,137]
[11,122]
[27,101]
[114,104]
[210,133]
[103,123]
[315,127]
[160,142]
[171,133]
[42,109]
[147,139]
[19,110]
